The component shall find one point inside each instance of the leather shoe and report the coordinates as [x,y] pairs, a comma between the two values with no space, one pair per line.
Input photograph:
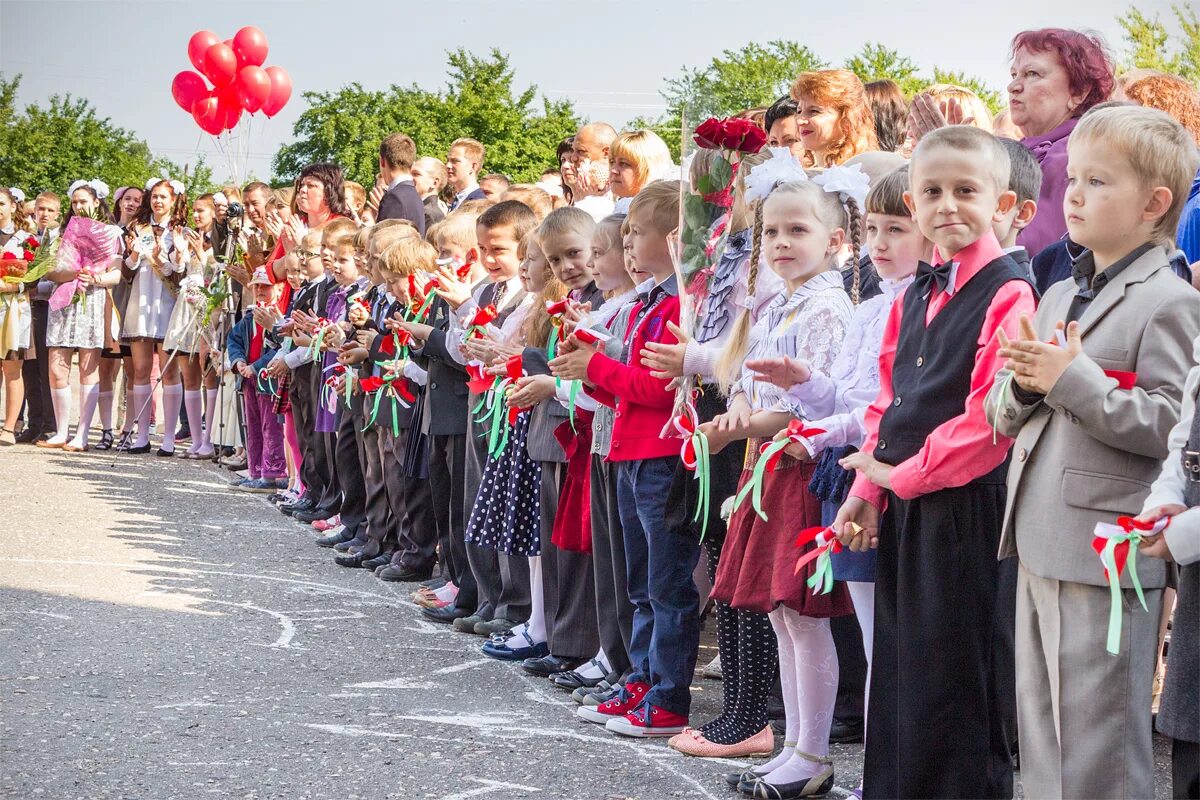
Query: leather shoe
[381,560]
[335,538]
[446,614]
[349,544]
[401,574]
[846,731]
[491,626]
[303,504]
[29,436]
[467,624]
[548,665]
[311,515]
[349,560]
[529,652]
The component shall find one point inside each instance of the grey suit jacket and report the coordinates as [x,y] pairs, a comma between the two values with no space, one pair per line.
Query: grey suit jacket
[1089,450]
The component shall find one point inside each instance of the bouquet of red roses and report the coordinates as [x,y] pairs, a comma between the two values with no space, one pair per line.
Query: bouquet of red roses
[18,266]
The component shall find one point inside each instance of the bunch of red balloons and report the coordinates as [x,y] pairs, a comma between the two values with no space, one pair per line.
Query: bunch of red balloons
[239,80]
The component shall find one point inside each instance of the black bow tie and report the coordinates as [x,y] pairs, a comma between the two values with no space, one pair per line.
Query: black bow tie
[929,275]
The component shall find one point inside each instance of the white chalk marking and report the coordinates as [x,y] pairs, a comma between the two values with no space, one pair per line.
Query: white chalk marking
[37,613]
[463,667]
[394,683]
[488,787]
[288,631]
[355,730]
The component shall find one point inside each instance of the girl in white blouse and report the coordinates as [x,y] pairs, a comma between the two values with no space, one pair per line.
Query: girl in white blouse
[154,265]
[15,314]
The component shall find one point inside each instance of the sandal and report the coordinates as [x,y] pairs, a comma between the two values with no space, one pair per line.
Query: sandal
[106,440]
[7,437]
[817,785]
[571,679]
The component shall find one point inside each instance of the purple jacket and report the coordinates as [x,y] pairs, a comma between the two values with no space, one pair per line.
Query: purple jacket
[1050,224]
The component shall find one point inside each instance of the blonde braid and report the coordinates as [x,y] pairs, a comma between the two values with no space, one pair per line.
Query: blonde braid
[729,365]
[855,218]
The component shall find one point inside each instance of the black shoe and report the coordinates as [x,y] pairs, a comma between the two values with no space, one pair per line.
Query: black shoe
[106,440]
[381,560]
[29,436]
[161,452]
[352,542]
[846,731]
[548,665]
[807,787]
[138,451]
[313,514]
[446,614]
[402,574]
[350,560]
[335,538]
[184,433]
[303,504]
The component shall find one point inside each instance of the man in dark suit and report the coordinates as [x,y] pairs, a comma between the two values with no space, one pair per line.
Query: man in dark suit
[429,176]
[463,163]
[400,201]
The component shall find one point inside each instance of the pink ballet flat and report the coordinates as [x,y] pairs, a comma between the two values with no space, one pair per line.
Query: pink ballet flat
[692,743]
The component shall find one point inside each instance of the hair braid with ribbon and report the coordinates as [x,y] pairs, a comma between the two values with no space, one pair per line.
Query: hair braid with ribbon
[729,365]
[854,218]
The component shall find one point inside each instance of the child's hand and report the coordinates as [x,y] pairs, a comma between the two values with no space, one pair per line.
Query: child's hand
[450,288]
[481,349]
[737,418]
[796,450]
[244,369]
[857,525]
[278,368]
[530,390]
[718,439]
[365,338]
[574,316]
[572,366]
[1156,547]
[418,330]
[877,472]
[666,360]
[783,372]
[353,355]
[1036,365]
[357,315]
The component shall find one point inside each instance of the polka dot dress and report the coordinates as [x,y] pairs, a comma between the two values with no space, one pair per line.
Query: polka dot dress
[506,514]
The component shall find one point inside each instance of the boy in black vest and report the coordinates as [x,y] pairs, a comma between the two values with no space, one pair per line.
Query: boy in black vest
[930,490]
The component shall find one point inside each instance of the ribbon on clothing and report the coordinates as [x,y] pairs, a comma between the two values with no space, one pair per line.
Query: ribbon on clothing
[482,318]
[821,581]
[769,454]
[696,458]
[1117,547]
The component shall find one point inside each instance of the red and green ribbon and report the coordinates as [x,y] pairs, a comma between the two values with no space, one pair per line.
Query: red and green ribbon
[821,581]
[483,317]
[266,384]
[768,460]
[1117,548]
[696,458]
[394,386]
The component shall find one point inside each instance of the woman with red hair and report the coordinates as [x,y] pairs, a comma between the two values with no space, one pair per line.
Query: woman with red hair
[1057,75]
[835,120]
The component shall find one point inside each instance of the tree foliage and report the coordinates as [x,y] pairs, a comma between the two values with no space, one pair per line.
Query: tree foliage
[479,101]
[1148,43]
[48,147]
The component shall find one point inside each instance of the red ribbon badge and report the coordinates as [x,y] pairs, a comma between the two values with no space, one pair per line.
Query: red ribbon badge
[372,383]
[512,368]
[465,269]
[1125,380]
[479,381]
[1121,550]
[556,308]
[797,432]
[482,318]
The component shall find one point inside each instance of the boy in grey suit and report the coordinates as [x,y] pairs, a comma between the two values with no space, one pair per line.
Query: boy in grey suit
[1090,393]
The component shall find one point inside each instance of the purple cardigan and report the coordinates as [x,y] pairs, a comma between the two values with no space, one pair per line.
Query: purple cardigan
[1050,224]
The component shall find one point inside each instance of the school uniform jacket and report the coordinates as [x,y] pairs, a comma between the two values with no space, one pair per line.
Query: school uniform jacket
[446,403]
[1089,451]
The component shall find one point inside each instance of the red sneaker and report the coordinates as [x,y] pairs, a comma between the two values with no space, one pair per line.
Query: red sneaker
[648,720]
[629,699]
[323,525]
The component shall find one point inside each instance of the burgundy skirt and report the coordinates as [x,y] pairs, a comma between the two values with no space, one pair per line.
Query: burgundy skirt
[758,560]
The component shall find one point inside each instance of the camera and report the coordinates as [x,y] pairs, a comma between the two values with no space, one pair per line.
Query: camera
[234,210]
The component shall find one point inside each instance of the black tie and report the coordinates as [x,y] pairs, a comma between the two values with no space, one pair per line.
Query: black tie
[928,276]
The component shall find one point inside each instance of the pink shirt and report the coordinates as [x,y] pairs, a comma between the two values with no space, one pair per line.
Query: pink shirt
[960,449]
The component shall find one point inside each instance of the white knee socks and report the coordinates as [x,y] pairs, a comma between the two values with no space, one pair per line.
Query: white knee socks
[89,395]
[537,606]
[106,410]
[142,406]
[863,595]
[172,400]
[191,403]
[210,418]
[61,400]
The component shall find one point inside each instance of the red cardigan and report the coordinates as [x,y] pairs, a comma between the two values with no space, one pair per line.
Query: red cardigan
[643,403]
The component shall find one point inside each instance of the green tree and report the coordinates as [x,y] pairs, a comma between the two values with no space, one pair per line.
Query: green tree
[346,126]
[756,75]
[877,62]
[1148,43]
[991,98]
[46,148]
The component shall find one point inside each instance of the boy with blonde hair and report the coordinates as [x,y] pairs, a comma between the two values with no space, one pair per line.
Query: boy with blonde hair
[463,163]
[1091,414]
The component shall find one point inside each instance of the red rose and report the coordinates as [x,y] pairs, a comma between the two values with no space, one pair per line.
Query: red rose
[710,133]
[742,135]
[31,243]
[29,256]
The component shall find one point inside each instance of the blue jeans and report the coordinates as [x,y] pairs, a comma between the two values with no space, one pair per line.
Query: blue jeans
[659,564]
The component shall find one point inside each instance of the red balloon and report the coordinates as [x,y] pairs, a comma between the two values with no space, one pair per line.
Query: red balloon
[281,91]
[229,108]
[253,87]
[187,87]
[198,45]
[208,115]
[220,64]
[250,46]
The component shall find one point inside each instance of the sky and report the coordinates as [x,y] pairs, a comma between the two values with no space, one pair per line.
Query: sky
[611,57]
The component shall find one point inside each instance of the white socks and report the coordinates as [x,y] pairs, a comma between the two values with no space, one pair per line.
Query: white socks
[106,410]
[210,419]
[195,417]
[863,595]
[142,406]
[89,395]
[172,400]
[537,606]
[806,651]
[590,671]
[61,399]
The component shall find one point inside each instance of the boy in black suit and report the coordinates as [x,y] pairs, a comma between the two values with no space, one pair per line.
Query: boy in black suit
[400,200]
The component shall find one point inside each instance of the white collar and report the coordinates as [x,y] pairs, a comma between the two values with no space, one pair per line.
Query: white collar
[891,288]
[399,181]
[11,229]
[462,196]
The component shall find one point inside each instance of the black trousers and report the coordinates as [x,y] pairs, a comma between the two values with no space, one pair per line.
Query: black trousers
[39,409]
[942,674]
[317,469]
[412,506]
[614,612]
[568,584]
[852,669]
[1185,770]
[447,457]
[348,468]
[380,522]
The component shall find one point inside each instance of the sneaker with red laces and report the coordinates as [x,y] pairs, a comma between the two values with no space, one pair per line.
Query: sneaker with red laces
[648,720]
[627,700]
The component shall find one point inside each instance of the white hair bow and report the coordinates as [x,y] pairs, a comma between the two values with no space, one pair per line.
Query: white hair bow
[176,186]
[848,182]
[219,197]
[781,167]
[95,184]
[17,194]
